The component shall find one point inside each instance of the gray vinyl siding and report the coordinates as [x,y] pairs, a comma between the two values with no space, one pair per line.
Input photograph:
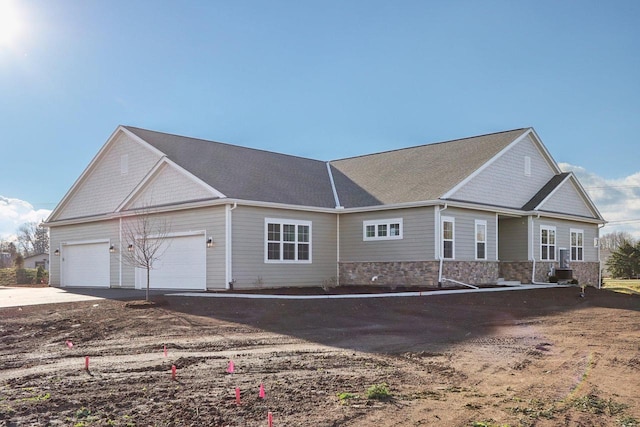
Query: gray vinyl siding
[513,239]
[503,183]
[416,244]
[567,200]
[465,233]
[563,237]
[104,230]
[249,267]
[104,187]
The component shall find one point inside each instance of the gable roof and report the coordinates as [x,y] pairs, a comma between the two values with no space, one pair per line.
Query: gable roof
[247,173]
[419,173]
[545,191]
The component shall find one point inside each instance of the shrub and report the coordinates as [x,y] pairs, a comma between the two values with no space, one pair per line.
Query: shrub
[378,392]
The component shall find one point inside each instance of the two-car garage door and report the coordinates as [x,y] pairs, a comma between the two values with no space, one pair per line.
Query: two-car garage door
[181,265]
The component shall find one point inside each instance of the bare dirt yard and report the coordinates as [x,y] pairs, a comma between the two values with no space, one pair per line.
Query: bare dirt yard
[522,358]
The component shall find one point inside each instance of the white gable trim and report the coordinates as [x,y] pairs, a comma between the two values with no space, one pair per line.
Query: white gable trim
[84,173]
[153,173]
[537,142]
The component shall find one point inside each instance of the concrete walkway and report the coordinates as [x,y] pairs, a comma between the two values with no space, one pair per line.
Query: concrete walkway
[379,295]
[21,296]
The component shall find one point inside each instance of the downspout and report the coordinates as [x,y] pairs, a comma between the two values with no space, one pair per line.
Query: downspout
[228,246]
[533,253]
[599,260]
[338,250]
[439,239]
[120,252]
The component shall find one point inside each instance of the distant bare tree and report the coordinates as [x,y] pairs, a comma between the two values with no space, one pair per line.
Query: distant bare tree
[33,239]
[147,237]
[612,241]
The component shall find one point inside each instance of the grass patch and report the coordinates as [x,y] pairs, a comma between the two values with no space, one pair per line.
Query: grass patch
[627,286]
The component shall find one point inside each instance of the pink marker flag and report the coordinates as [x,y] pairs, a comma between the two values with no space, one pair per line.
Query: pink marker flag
[261,393]
[231,368]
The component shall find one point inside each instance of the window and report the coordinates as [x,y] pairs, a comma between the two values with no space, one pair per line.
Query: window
[287,241]
[577,245]
[448,234]
[481,239]
[385,229]
[547,243]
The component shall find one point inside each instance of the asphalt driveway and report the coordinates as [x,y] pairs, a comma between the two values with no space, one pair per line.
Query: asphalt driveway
[21,296]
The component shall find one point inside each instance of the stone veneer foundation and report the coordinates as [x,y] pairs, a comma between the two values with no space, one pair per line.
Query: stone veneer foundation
[425,273]
[418,273]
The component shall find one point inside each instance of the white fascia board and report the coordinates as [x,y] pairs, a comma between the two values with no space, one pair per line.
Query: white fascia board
[555,215]
[84,173]
[488,163]
[550,160]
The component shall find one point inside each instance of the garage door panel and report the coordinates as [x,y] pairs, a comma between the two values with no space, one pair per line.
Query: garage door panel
[85,265]
[181,264]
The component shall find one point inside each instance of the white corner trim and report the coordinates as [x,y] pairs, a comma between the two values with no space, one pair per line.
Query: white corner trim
[488,163]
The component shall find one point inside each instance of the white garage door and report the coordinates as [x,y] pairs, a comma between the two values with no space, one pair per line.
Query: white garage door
[85,264]
[182,265]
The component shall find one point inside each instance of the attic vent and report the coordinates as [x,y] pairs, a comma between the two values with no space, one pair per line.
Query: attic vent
[527,166]
[124,164]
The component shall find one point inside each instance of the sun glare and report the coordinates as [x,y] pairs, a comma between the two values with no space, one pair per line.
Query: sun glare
[10,26]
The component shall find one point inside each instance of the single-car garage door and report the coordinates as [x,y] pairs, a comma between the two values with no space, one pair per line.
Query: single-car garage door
[181,265]
[85,264]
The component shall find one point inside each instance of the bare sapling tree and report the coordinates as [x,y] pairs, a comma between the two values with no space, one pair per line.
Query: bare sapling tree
[145,237]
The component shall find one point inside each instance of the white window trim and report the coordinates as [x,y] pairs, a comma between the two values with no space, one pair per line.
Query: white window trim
[282,222]
[555,243]
[475,229]
[571,246]
[378,222]
[453,239]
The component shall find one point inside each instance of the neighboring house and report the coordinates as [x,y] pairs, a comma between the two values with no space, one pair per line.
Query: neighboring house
[472,210]
[35,261]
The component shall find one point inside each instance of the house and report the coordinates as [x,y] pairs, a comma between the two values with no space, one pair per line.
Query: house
[472,210]
[37,260]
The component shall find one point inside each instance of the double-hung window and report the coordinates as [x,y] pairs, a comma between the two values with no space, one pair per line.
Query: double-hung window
[577,244]
[448,237]
[547,243]
[383,229]
[287,241]
[481,239]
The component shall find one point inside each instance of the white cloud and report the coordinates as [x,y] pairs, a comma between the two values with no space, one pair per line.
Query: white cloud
[618,200]
[14,213]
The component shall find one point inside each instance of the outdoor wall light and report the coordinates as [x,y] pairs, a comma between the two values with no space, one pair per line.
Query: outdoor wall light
[130,247]
[112,249]
[210,242]
[56,252]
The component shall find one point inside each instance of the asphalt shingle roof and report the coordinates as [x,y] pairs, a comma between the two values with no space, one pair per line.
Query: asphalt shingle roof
[419,173]
[247,173]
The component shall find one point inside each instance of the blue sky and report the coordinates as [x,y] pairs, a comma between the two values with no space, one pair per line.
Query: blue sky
[321,79]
